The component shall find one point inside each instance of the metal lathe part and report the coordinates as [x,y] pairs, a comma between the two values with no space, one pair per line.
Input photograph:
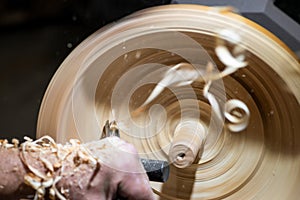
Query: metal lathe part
[157,170]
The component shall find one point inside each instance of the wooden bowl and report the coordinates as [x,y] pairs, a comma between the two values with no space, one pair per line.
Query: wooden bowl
[113,71]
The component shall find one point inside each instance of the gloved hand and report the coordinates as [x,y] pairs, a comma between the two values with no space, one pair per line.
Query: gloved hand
[120,173]
[102,169]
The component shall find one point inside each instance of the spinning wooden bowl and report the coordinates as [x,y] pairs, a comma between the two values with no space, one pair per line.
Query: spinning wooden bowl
[111,73]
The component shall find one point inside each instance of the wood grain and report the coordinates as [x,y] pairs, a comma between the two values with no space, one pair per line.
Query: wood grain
[261,162]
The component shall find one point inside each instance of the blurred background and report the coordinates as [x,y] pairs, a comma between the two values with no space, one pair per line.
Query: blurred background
[37,35]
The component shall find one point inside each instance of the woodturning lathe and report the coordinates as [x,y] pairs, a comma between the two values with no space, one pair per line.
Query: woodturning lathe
[113,72]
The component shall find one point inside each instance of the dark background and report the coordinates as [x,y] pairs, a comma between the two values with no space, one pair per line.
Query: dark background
[37,35]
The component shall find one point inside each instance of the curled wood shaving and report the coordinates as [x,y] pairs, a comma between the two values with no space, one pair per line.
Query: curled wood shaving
[62,152]
[56,192]
[26,146]
[33,181]
[9,146]
[74,142]
[227,59]
[232,65]
[41,181]
[5,144]
[229,36]
[28,139]
[238,120]
[209,96]
[15,142]
[85,155]
[51,193]
[179,75]
[47,164]
[185,74]
[47,183]
[213,101]
[40,192]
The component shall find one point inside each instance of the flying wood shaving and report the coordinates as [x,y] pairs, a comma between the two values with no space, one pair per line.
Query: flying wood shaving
[178,75]
[185,74]
[238,120]
[227,59]
[229,36]
[213,101]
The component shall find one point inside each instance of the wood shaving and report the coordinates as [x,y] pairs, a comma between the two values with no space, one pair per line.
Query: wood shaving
[40,181]
[27,139]
[57,193]
[232,65]
[178,75]
[47,164]
[33,181]
[15,142]
[185,74]
[238,120]
[5,144]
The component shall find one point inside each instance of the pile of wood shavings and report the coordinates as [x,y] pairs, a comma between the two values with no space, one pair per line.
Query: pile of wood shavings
[47,179]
